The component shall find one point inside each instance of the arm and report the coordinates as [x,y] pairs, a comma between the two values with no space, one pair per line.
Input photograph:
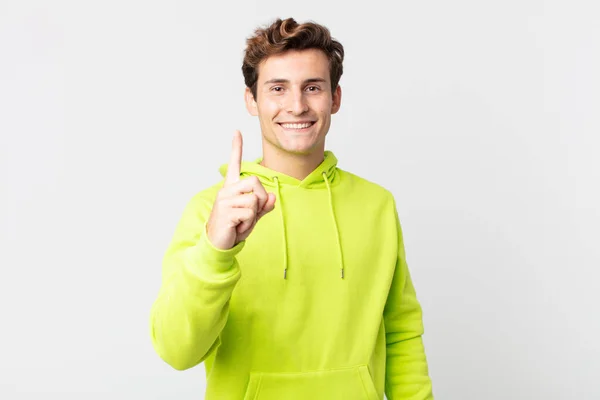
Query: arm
[193,302]
[407,373]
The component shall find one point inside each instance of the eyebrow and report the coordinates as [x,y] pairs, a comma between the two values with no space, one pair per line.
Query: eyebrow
[278,80]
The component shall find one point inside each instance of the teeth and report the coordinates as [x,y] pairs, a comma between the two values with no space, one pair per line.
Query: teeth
[297,126]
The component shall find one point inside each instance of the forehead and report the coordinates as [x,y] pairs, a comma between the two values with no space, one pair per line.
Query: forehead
[295,65]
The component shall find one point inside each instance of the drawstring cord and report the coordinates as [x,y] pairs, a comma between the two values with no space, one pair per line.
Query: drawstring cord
[337,231]
[280,206]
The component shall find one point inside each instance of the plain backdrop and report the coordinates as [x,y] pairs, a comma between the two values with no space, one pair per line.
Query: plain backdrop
[482,117]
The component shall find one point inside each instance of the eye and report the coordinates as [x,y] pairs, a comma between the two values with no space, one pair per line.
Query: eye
[277,89]
[313,88]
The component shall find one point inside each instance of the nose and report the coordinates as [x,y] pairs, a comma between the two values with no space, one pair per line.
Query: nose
[297,104]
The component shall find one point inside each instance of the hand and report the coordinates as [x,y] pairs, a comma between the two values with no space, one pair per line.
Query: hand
[239,203]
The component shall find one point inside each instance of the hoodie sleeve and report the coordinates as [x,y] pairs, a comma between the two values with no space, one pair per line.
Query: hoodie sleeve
[407,373]
[192,306]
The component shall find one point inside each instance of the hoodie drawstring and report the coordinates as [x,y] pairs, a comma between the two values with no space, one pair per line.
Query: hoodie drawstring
[280,206]
[337,231]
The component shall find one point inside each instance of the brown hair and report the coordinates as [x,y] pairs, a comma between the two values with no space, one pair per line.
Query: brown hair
[287,34]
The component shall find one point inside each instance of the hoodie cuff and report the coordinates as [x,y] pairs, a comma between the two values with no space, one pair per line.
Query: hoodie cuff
[211,263]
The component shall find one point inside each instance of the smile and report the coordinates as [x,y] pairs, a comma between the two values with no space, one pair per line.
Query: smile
[297,126]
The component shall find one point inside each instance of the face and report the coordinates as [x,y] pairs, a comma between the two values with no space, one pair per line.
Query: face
[294,101]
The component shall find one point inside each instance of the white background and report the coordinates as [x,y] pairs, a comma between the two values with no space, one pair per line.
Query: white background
[482,117]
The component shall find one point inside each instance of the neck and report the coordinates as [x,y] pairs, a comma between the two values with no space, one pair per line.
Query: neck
[297,166]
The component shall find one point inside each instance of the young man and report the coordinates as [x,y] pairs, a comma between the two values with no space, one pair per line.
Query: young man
[288,278]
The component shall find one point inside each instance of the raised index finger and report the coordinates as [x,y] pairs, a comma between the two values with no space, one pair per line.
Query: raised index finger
[235,162]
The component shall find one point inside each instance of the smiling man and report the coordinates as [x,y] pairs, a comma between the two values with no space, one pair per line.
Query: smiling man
[288,278]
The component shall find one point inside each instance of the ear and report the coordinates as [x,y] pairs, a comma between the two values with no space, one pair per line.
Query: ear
[336,100]
[251,105]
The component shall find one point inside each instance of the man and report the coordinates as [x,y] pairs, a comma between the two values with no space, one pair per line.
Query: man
[288,278]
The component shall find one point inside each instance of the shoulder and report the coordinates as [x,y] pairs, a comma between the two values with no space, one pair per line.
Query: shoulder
[203,199]
[209,193]
[364,186]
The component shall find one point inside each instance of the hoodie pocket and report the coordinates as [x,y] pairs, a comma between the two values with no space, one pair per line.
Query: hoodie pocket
[353,383]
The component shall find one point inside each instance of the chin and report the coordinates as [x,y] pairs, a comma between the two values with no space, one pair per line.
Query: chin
[300,148]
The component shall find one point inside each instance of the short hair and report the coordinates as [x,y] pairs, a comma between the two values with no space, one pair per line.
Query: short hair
[287,34]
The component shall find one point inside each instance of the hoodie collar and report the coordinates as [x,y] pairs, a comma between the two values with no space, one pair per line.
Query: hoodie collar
[314,180]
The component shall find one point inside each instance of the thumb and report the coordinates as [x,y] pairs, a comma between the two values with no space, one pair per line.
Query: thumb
[269,205]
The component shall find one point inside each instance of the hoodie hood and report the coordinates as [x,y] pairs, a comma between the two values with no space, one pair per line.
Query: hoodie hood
[324,177]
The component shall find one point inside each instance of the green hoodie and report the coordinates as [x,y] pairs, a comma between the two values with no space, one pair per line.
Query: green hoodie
[317,303]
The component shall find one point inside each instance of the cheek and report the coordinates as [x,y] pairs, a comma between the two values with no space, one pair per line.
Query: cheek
[270,108]
[324,112]
[323,108]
